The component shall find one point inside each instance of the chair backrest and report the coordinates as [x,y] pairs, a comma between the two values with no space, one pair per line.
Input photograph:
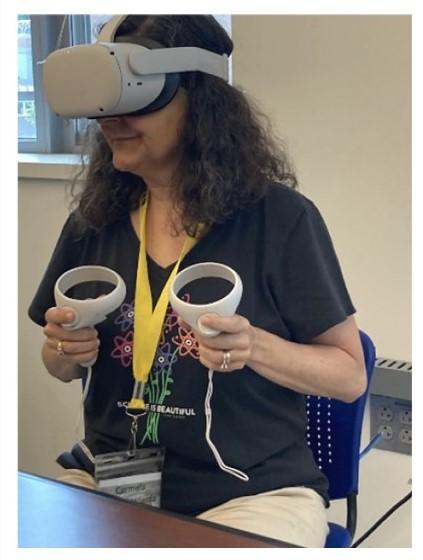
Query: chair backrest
[334,430]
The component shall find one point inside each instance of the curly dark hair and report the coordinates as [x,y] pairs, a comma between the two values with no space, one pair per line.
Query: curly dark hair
[229,151]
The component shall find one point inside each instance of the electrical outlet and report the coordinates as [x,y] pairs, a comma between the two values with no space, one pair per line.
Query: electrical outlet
[405,417]
[405,436]
[385,413]
[386,431]
[393,419]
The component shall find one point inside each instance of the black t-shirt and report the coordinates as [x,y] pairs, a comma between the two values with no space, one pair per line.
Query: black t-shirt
[292,287]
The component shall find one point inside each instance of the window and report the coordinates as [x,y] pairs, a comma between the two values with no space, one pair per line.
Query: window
[40,131]
[26,101]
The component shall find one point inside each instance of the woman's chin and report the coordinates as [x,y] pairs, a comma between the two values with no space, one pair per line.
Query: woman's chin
[124,164]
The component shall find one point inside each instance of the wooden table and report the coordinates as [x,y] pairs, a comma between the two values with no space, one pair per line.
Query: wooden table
[54,514]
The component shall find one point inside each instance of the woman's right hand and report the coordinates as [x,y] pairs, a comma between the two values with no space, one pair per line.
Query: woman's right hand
[69,347]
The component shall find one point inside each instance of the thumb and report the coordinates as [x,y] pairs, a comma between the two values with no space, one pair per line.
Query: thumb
[59,315]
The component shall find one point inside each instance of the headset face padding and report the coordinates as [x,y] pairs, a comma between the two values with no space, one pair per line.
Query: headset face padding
[168,92]
[172,80]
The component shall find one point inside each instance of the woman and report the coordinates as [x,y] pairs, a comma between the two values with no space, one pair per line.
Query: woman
[207,168]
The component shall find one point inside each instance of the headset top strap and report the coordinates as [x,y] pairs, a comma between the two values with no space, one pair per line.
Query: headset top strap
[107,34]
[179,59]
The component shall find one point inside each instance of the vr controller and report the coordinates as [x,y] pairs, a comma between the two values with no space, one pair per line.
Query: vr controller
[89,312]
[224,307]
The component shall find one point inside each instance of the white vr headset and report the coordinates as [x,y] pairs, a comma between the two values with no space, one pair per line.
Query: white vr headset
[121,78]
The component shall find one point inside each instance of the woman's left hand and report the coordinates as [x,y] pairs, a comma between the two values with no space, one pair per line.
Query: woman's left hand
[237,337]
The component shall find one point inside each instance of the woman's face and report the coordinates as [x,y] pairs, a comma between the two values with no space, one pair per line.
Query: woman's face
[147,145]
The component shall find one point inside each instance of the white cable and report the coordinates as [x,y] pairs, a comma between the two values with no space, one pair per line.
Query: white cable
[207,409]
[83,398]
[87,384]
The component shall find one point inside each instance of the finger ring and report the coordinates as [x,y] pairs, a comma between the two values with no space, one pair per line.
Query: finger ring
[59,348]
[226,360]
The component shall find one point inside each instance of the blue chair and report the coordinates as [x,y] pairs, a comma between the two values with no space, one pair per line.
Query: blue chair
[333,433]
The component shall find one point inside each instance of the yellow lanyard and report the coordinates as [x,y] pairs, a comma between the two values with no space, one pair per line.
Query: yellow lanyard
[148,323]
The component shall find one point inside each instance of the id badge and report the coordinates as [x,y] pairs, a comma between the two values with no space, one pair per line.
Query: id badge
[135,476]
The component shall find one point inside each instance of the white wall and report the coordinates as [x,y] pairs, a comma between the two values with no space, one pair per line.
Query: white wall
[47,407]
[337,89]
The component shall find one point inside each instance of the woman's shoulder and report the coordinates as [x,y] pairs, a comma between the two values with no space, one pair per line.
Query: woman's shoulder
[77,229]
[284,204]
[290,197]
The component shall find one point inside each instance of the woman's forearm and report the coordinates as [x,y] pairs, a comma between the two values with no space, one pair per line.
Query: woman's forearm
[315,369]
[58,368]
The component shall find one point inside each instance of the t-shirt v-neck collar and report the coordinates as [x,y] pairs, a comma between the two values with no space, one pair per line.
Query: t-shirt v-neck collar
[162,269]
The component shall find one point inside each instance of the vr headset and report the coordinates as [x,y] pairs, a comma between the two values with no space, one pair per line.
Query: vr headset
[126,76]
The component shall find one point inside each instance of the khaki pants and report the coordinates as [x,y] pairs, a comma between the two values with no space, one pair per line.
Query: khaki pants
[296,515]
